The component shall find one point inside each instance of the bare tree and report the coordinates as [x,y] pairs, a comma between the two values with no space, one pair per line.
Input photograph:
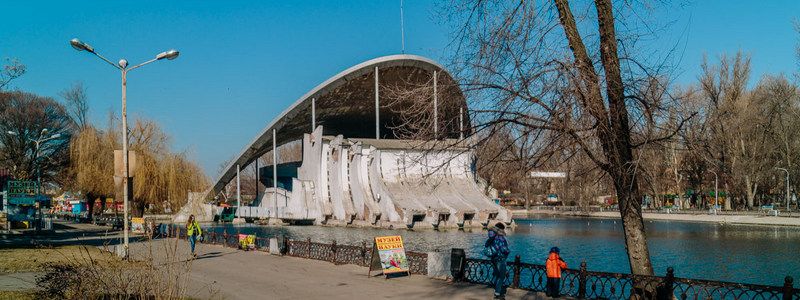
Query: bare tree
[77,103]
[570,85]
[12,70]
[23,120]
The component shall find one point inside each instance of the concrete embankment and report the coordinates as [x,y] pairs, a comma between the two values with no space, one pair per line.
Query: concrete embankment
[682,217]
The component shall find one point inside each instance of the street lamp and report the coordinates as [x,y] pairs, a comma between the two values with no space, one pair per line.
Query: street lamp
[123,67]
[787,186]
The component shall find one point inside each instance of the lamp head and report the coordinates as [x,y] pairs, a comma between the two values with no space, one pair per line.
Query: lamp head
[12,132]
[80,46]
[170,54]
[123,63]
[45,130]
[55,136]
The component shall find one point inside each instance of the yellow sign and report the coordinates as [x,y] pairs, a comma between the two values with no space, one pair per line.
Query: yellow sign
[391,253]
[389,242]
[137,225]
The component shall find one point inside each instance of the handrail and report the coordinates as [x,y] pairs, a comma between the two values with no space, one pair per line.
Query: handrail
[333,252]
[582,283]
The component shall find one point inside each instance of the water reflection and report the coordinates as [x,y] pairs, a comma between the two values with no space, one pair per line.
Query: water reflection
[753,254]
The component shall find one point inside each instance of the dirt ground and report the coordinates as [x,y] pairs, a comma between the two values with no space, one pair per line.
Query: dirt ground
[16,260]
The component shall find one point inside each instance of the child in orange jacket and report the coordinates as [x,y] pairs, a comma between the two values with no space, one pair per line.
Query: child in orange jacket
[554,265]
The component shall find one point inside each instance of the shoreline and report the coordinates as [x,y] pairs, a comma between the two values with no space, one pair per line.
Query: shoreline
[697,218]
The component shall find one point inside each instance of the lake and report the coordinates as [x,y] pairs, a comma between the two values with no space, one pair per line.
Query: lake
[738,253]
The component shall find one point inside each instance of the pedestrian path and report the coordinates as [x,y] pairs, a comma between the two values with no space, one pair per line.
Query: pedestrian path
[227,273]
[23,281]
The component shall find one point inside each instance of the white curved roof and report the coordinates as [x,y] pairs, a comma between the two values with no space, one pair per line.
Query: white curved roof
[344,105]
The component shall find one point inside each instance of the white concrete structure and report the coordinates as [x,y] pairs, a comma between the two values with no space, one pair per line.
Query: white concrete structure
[386,183]
[355,169]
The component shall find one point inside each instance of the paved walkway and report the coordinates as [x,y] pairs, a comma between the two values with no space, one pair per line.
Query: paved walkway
[23,281]
[227,273]
[64,233]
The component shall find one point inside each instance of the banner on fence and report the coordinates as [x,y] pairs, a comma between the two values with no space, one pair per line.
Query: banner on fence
[389,255]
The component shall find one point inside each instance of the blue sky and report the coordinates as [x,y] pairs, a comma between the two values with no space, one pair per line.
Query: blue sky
[243,62]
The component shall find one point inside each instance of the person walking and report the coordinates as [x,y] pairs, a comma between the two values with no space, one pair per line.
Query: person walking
[192,232]
[554,265]
[496,249]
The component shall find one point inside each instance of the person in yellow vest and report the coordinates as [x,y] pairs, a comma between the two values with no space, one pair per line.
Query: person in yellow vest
[192,232]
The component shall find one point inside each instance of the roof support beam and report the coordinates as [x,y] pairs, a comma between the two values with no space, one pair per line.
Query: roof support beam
[275,170]
[435,107]
[377,108]
[258,172]
[460,123]
[313,114]
[238,192]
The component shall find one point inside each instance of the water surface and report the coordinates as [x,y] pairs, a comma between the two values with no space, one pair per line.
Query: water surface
[739,253]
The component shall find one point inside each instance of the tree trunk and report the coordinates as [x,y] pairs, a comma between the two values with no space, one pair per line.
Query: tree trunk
[750,191]
[630,208]
[137,208]
[613,129]
[90,198]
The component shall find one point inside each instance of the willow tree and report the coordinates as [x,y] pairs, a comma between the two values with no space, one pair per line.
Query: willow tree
[162,178]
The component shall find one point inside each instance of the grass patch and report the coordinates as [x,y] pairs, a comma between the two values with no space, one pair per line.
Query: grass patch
[17,295]
[37,259]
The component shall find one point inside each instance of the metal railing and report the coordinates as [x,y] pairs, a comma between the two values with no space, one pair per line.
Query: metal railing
[333,252]
[603,285]
[347,254]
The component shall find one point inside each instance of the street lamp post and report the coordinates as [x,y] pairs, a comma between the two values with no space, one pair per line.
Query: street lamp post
[716,191]
[787,186]
[124,69]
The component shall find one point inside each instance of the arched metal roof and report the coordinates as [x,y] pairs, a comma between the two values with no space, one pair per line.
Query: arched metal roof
[345,105]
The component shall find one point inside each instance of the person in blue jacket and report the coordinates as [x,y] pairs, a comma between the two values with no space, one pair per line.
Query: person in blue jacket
[496,249]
